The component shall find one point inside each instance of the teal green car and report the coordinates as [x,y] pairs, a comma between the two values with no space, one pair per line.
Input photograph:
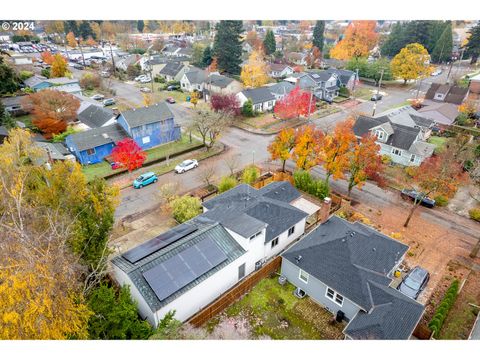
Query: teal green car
[144,180]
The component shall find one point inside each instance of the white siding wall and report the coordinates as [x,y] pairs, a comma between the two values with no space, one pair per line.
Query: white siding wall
[284,240]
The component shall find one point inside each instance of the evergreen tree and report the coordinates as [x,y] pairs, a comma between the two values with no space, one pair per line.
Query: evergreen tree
[6,119]
[318,31]
[115,316]
[395,40]
[8,78]
[227,46]
[140,26]
[207,57]
[71,26]
[269,43]
[436,31]
[85,30]
[442,52]
[472,48]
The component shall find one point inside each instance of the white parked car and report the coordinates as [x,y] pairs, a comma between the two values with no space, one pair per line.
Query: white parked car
[140,77]
[185,166]
[146,79]
[437,72]
[98,97]
[145,90]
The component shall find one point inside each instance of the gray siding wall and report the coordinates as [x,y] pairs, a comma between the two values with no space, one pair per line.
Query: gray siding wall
[317,290]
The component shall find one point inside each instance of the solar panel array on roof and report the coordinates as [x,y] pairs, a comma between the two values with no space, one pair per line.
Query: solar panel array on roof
[178,271]
[159,242]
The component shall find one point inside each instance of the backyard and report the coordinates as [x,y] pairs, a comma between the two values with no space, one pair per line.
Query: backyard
[273,311]
[103,168]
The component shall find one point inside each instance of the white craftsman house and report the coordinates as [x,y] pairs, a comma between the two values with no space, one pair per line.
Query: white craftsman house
[262,98]
[194,263]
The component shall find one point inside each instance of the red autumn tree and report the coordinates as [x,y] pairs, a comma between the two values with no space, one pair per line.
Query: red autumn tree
[47,57]
[438,175]
[282,146]
[128,154]
[365,162]
[298,102]
[335,152]
[225,102]
[51,109]
[308,141]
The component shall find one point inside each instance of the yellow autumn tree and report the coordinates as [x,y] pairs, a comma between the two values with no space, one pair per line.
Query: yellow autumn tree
[59,66]
[255,72]
[359,38]
[71,41]
[148,99]
[412,62]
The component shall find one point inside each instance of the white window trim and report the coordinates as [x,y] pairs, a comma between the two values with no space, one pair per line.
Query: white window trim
[293,232]
[146,140]
[335,297]
[379,134]
[255,235]
[413,158]
[399,152]
[277,240]
[305,274]
[92,153]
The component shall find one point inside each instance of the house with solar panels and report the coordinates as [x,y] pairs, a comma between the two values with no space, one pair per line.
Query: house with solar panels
[189,266]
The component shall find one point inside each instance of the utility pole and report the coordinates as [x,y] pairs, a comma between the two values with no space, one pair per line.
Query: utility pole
[418,88]
[111,54]
[449,70]
[460,61]
[81,50]
[378,92]
[310,104]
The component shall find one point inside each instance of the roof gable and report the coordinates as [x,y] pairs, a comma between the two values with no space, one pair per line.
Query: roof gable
[147,115]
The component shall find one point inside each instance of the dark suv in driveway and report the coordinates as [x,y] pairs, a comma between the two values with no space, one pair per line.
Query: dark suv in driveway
[410,194]
[414,283]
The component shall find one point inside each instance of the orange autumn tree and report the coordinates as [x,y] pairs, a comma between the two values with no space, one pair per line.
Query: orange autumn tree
[365,162]
[360,37]
[213,67]
[51,110]
[308,141]
[71,41]
[282,146]
[47,57]
[438,175]
[336,149]
[59,66]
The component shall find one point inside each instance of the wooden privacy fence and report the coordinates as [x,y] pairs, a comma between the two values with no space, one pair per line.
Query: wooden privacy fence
[235,293]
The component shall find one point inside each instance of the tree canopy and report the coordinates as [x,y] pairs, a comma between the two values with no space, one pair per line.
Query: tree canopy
[227,46]
[360,37]
[412,62]
[318,37]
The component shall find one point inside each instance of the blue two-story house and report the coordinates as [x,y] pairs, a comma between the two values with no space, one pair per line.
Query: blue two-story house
[92,146]
[150,126]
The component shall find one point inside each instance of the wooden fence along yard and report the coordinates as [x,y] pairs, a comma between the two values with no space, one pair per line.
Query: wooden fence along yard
[235,293]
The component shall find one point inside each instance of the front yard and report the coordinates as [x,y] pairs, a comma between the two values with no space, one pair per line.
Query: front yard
[273,311]
[103,168]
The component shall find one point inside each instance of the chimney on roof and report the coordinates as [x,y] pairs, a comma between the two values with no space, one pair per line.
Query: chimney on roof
[324,212]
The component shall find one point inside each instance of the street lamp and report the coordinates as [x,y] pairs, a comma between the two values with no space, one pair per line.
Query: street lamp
[253,157]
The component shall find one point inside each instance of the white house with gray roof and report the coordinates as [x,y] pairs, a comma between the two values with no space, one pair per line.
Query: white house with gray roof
[348,268]
[405,145]
[191,265]
[262,98]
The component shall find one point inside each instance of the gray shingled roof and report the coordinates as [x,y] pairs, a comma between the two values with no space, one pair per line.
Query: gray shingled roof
[258,95]
[147,115]
[346,257]
[220,81]
[281,88]
[246,210]
[206,230]
[172,68]
[403,137]
[343,75]
[196,76]
[394,316]
[454,94]
[92,138]
[319,76]
[95,116]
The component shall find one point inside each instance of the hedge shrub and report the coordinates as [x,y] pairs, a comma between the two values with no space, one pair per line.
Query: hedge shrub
[227,183]
[441,200]
[445,305]
[305,182]
[474,214]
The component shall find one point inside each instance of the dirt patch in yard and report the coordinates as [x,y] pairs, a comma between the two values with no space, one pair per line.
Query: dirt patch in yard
[463,200]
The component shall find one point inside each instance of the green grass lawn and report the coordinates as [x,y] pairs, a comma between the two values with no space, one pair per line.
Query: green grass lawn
[362,93]
[103,168]
[438,141]
[274,311]
[26,119]
[399,105]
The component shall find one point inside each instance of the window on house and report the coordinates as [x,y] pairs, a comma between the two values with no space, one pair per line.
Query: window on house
[146,139]
[90,151]
[334,296]
[303,276]
[257,107]
[241,271]
[291,230]
[274,242]
[412,158]
[397,152]
[254,236]
[379,134]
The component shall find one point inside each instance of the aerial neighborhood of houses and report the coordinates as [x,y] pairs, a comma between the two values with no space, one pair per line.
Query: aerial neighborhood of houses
[240,180]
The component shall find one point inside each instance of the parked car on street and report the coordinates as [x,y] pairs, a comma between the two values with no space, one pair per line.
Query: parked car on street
[185,166]
[145,80]
[170,100]
[140,77]
[173,87]
[410,194]
[78,67]
[108,102]
[115,165]
[104,74]
[145,179]
[414,283]
[376,97]
[436,72]
[145,90]
[98,97]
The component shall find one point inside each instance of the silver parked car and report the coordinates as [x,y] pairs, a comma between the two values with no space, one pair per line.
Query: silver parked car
[185,166]
[414,283]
